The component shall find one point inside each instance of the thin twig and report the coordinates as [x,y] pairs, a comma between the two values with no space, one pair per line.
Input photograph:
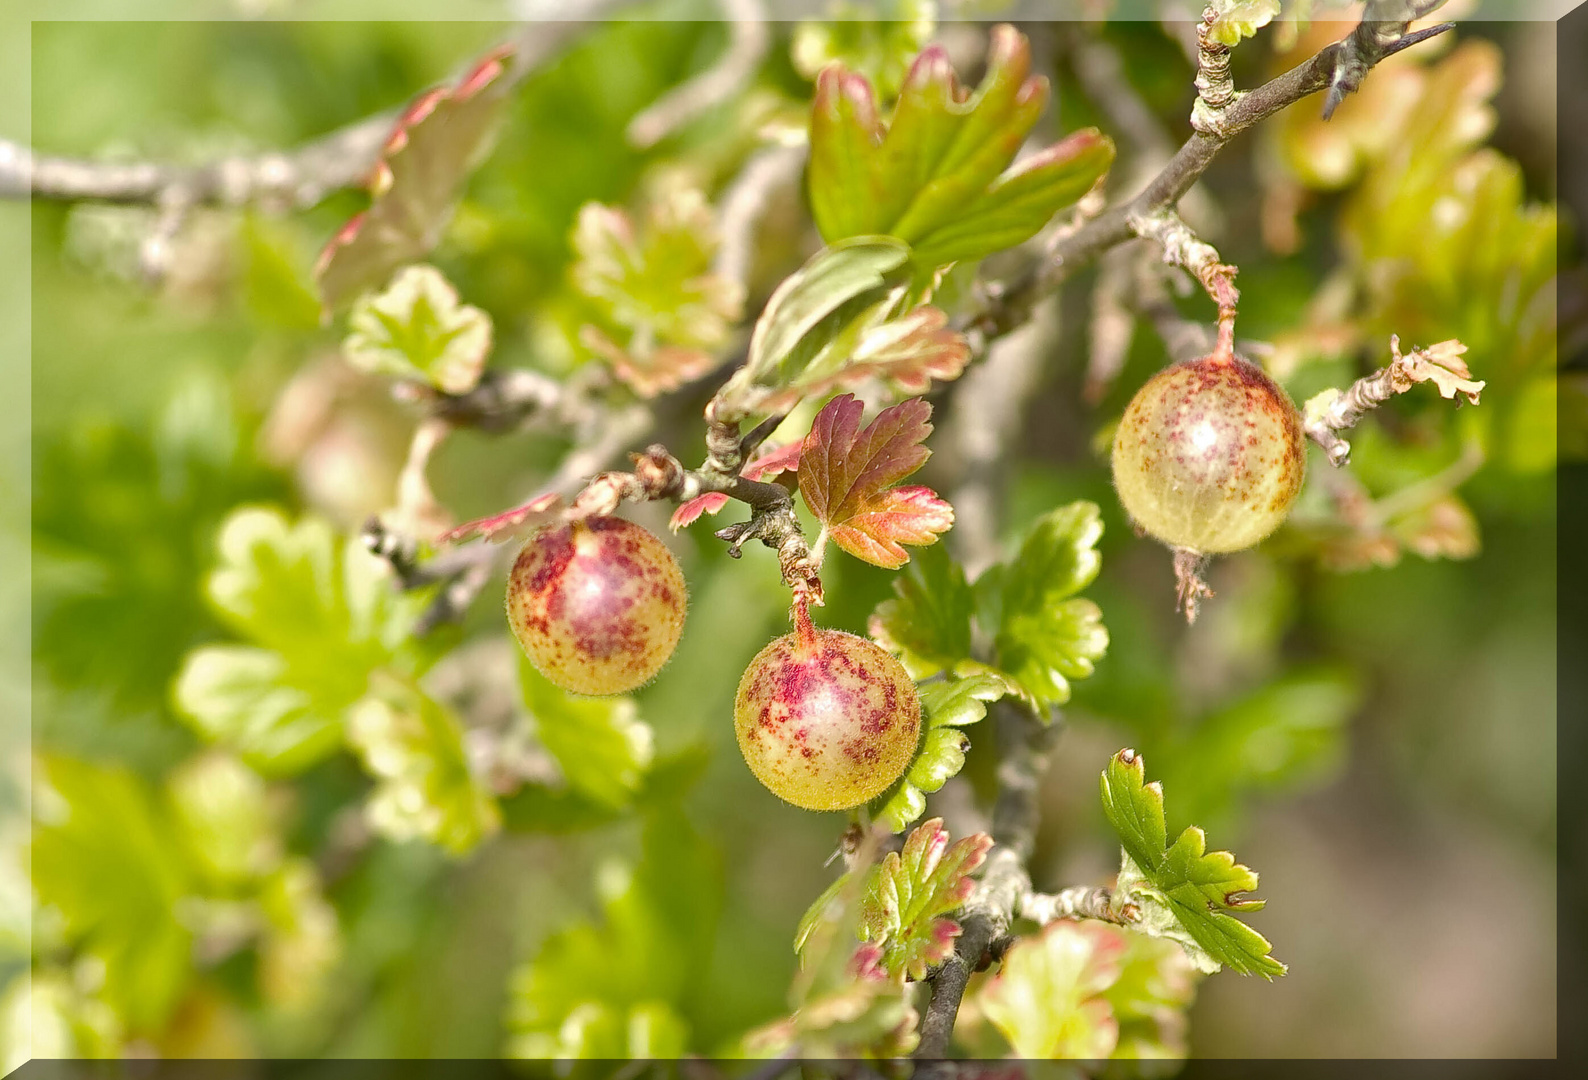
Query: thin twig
[1077,902]
[1023,743]
[279,180]
[1333,411]
[1011,305]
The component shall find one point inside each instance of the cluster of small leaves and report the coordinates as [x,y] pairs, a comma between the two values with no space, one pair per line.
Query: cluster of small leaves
[333,663]
[935,176]
[150,883]
[904,912]
[1182,891]
[1090,990]
[658,315]
[417,329]
[437,142]
[904,903]
[1433,219]
[844,318]
[849,478]
[616,989]
[1044,635]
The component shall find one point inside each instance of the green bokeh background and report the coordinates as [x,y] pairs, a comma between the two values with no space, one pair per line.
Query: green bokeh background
[1408,864]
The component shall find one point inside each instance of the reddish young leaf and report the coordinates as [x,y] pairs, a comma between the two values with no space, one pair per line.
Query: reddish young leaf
[433,147]
[532,514]
[847,474]
[777,460]
[688,513]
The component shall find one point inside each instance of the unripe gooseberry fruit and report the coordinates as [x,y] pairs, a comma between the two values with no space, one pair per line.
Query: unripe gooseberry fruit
[826,720]
[1209,455]
[597,605]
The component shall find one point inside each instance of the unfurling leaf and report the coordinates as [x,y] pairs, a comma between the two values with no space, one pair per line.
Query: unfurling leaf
[417,329]
[935,176]
[1048,998]
[909,896]
[843,318]
[1181,891]
[847,474]
[439,139]
[663,315]
[1237,19]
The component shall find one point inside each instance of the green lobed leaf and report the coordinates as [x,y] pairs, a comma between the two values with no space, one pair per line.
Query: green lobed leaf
[425,788]
[321,616]
[935,175]
[416,328]
[928,623]
[1183,891]
[1045,636]
[1048,998]
[107,859]
[903,913]
[603,747]
[946,706]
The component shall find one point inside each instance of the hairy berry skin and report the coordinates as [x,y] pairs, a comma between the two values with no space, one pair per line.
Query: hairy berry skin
[1209,455]
[597,605]
[826,720]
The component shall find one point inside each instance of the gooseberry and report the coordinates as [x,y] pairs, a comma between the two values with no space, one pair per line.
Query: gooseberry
[1209,455]
[826,720]
[597,605]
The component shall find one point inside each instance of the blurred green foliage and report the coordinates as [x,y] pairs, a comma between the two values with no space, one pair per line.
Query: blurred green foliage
[265,820]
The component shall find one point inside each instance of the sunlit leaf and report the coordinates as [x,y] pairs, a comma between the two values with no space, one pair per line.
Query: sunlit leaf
[1182,891]
[416,328]
[1048,997]
[847,476]
[425,788]
[935,176]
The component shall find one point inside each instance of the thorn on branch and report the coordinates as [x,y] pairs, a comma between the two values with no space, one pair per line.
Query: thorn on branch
[1373,39]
